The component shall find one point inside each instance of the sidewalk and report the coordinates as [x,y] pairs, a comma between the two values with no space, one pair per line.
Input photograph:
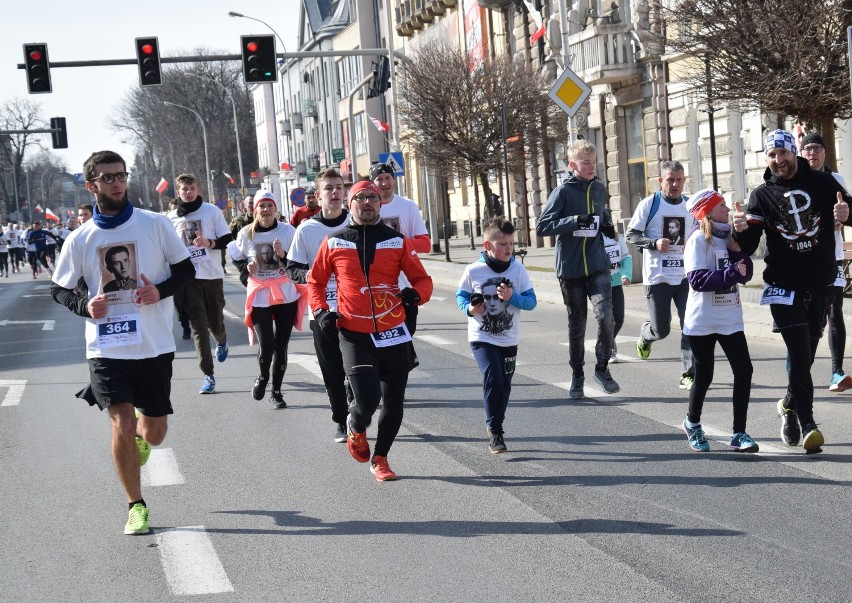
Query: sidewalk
[540,265]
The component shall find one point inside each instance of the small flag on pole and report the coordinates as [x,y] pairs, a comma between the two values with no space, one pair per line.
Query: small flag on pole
[38,208]
[49,215]
[228,176]
[539,22]
[162,185]
[380,125]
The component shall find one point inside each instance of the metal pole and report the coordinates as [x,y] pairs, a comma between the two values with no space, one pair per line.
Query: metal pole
[712,121]
[206,155]
[506,164]
[15,184]
[352,156]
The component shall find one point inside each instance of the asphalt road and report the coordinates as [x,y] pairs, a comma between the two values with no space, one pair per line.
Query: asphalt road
[597,500]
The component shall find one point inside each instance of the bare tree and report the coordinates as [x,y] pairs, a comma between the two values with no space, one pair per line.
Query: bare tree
[18,114]
[787,57]
[453,112]
[169,139]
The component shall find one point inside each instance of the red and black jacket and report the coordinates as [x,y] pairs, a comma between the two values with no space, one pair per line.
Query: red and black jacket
[366,261]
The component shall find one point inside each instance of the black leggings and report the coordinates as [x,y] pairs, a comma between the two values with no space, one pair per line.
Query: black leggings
[376,375]
[617,309]
[272,348]
[837,332]
[735,347]
[4,262]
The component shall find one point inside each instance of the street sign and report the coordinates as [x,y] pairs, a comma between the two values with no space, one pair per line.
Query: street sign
[288,174]
[569,92]
[338,155]
[395,161]
[297,196]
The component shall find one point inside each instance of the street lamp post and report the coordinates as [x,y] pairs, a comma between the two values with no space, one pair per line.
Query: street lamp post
[206,155]
[236,123]
[272,85]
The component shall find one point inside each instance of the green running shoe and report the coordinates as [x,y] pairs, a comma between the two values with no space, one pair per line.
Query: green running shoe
[643,349]
[137,520]
[144,450]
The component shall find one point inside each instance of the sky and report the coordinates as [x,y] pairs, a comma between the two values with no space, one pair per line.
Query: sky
[88,97]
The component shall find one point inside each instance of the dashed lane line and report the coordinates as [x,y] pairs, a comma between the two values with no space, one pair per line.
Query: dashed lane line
[190,562]
[433,339]
[14,393]
[161,469]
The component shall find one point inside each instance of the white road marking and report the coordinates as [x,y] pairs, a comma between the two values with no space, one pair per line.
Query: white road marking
[232,315]
[15,393]
[161,469]
[418,374]
[36,295]
[434,339]
[307,362]
[38,287]
[436,298]
[190,562]
[46,325]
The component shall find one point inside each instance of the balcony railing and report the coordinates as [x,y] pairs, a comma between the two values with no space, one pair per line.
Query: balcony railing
[603,54]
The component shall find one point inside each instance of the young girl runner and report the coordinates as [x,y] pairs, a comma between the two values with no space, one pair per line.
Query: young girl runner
[273,304]
[715,266]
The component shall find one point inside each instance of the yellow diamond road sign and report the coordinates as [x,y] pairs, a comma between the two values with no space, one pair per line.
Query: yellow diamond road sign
[569,92]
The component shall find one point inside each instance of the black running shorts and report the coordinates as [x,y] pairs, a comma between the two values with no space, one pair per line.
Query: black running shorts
[145,383]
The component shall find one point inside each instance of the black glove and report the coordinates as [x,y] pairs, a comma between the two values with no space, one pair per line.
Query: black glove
[476,299]
[409,297]
[608,230]
[327,322]
[585,220]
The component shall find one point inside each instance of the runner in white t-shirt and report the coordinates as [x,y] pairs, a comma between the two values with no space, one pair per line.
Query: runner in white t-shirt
[16,249]
[129,343]
[659,227]
[303,251]
[203,230]
[402,215]
[272,298]
[715,267]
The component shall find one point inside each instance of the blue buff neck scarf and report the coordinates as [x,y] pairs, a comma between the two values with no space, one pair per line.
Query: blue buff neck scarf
[108,222]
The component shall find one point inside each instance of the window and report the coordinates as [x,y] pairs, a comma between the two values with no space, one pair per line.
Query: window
[360,135]
[637,175]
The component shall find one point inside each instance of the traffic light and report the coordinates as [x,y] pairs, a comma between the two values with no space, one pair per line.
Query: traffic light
[381,78]
[60,137]
[148,58]
[259,61]
[38,68]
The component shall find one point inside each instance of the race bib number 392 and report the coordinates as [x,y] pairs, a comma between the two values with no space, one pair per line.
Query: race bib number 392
[390,337]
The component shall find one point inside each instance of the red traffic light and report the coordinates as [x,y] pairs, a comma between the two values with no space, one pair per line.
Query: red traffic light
[252,46]
[147,49]
[35,55]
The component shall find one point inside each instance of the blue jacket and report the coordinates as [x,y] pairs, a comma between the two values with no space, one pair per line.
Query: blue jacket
[576,257]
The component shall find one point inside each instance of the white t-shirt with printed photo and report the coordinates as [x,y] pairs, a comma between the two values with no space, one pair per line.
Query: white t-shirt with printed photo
[259,249]
[499,324]
[710,312]
[306,244]
[112,262]
[208,222]
[672,222]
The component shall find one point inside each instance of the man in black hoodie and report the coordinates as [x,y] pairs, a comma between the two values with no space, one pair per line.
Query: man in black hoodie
[797,208]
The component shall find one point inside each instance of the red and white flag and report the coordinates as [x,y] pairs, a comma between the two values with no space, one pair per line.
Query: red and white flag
[38,208]
[380,125]
[228,176]
[162,185]
[539,22]
[49,215]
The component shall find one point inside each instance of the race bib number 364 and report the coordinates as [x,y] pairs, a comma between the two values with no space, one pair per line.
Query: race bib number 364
[118,330]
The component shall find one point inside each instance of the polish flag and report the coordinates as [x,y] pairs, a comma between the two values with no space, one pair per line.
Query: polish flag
[228,176]
[380,125]
[162,185]
[49,215]
[539,22]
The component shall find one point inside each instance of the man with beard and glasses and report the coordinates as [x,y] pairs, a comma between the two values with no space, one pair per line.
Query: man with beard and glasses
[129,351]
[205,233]
[797,208]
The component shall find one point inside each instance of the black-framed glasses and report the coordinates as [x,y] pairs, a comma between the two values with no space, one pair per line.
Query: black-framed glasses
[361,199]
[110,178]
[813,148]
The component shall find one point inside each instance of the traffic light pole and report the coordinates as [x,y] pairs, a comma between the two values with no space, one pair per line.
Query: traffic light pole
[353,157]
